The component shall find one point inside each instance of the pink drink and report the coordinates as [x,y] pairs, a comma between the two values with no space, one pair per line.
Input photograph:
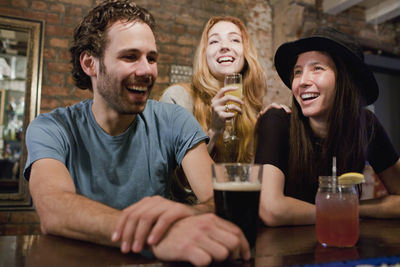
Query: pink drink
[337,217]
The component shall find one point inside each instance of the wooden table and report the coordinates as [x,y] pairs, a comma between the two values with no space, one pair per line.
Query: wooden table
[298,245]
[281,246]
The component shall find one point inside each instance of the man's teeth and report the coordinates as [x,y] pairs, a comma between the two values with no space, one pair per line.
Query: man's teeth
[138,89]
[309,96]
[225,59]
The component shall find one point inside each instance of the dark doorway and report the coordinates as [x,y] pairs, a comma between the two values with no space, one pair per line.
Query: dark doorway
[387,107]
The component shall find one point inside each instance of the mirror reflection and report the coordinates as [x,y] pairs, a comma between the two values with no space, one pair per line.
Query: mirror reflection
[13,48]
[21,58]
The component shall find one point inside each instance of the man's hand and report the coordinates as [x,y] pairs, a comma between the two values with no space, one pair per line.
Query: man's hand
[202,239]
[146,222]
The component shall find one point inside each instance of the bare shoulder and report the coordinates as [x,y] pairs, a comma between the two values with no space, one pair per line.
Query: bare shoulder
[178,94]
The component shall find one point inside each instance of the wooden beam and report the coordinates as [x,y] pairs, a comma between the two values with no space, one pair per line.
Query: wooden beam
[383,11]
[334,7]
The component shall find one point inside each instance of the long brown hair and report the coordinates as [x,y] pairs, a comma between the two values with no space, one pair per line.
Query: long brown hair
[205,86]
[347,137]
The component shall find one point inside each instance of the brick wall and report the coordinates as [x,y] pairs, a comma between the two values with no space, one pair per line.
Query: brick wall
[180,24]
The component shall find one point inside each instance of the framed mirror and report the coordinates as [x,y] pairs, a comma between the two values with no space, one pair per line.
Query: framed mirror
[21,59]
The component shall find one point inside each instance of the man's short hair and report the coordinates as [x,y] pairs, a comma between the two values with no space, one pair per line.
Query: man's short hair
[91,33]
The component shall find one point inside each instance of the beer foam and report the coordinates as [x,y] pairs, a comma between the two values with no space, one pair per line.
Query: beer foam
[237,186]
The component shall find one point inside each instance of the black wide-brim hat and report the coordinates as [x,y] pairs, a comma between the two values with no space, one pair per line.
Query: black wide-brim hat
[337,44]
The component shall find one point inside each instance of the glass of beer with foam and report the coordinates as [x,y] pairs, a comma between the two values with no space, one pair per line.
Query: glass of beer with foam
[237,195]
[231,140]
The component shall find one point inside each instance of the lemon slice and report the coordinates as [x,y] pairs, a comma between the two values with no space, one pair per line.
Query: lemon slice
[351,178]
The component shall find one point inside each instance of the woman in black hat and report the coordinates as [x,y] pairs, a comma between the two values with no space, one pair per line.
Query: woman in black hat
[331,86]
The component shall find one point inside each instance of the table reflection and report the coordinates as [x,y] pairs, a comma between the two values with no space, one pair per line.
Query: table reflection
[279,246]
[294,245]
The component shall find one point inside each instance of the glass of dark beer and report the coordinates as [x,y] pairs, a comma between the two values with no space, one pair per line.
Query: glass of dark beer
[237,195]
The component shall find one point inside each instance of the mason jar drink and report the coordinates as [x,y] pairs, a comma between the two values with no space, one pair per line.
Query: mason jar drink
[337,222]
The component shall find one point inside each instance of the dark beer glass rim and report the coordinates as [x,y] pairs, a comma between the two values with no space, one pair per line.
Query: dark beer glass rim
[237,164]
[228,165]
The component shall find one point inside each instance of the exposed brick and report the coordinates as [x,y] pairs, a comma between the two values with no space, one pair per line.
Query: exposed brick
[52,18]
[59,30]
[83,94]
[166,58]
[69,20]
[57,7]
[190,20]
[163,67]
[48,104]
[185,60]
[69,102]
[165,38]
[55,90]
[61,67]
[39,5]
[184,40]
[186,51]
[75,11]
[35,15]
[56,79]
[157,90]
[194,31]
[163,17]
[78,2]
[162,79]
[153,4]
[70,80]
[49,53]
[65,55]
[20,3]
[178,29]
[171,49]
[11,11]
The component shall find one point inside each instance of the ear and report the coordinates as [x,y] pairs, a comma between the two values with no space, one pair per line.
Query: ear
[88,64]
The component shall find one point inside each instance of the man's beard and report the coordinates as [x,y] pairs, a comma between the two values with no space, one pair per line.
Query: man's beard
[112,93]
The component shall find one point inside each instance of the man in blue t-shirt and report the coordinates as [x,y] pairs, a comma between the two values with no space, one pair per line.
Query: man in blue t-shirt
[100,170]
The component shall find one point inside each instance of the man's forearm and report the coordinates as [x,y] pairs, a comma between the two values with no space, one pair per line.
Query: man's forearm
[75,216]
[62,211]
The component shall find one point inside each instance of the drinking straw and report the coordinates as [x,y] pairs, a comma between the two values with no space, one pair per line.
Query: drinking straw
[334,167]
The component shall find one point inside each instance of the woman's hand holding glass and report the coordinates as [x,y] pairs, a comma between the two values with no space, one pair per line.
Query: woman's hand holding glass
[224,107]
[233,80]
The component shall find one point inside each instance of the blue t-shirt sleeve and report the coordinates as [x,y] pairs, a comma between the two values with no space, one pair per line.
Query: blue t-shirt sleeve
[186,132]
[44,139]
